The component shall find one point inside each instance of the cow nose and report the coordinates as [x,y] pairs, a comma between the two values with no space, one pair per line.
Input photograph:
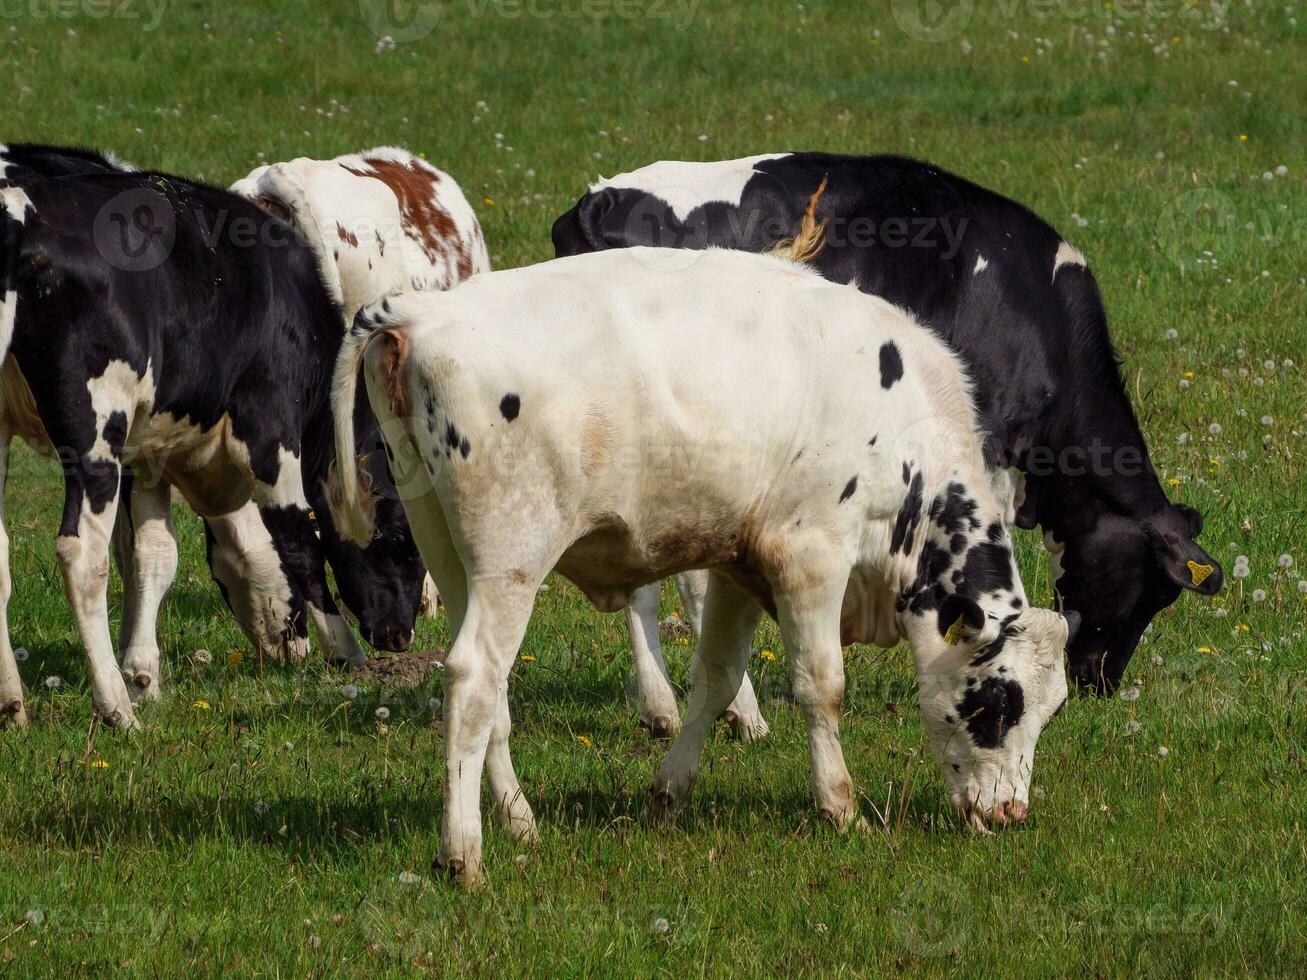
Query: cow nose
[394,640]
[1011,811]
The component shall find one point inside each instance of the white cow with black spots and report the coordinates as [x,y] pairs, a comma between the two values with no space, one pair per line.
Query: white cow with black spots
[820,457]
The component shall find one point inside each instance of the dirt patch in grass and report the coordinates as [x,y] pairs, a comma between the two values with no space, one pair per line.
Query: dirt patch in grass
[402,670]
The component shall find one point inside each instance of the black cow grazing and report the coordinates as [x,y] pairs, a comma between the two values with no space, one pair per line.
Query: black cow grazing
[154,322]
[1015,299]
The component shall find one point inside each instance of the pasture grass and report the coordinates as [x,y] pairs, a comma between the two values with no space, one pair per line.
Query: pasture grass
[262,821]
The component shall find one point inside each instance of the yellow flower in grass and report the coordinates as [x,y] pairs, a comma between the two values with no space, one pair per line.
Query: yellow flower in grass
[490,201]
[1175,482]
[528,658]
[99,764]
[767,655]
[235,658]
[583,740]
[201,704]
[1241,627]
[1204,649]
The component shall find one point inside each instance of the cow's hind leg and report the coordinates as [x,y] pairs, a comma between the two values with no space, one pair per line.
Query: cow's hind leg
[90,504]
[511,809]
[657,698]
[729,620]
[476,692]
[148,568]
[12,710]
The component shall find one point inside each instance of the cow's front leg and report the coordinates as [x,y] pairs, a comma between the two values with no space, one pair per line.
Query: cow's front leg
[284,508]
[810,627]
[148,566]
[729,620]
[657,698]
[12,710]
[90,505]
[476,692]
[244,563]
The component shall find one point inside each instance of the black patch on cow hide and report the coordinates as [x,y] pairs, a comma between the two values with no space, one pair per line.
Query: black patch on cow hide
[909,516]
[891,364]
[509,406]
[849,489]
[954,510]
[992,710]
[988,568]
[995,532]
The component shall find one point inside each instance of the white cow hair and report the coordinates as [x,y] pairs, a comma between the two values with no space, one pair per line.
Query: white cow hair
[687,185]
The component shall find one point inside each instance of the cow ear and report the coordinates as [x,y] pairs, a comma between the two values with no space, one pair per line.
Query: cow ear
[960,619]
[1191,517]
[1183,562]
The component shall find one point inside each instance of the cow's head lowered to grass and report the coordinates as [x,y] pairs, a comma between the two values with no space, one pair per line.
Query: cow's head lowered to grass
[988,687]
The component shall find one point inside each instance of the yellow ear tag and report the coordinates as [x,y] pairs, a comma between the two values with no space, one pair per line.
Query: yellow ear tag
[954,633]
[1199,573]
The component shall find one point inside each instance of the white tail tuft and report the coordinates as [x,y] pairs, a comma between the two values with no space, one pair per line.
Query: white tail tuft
[350,496]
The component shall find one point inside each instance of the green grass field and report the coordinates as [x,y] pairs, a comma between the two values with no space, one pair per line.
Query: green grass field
[264,824]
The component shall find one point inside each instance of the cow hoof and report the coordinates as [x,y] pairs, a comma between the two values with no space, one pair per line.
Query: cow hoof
[12,714]
[663,806]
[457,871]
[662,728]
[118,718]
[747,728]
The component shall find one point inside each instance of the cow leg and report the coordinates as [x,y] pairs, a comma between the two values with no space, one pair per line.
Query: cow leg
[657,699]
[729,620]
[810,628]
[244,563]
[153,564]
[284,508]
[12,710]
[82,548]
[512,811]
[476,692]
[742,714]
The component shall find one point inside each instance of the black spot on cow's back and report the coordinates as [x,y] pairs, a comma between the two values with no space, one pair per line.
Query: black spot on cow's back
[464,447]
[509,406]
[992,710]
[872,441]
[451,436]
[891,364]
[849,489]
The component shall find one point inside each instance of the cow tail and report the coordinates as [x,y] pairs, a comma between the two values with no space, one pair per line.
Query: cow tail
[350,495]
[14,205]
[811,238]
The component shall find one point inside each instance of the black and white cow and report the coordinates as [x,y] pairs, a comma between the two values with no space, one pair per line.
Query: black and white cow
[1021,306]
[157,323]
[821,457]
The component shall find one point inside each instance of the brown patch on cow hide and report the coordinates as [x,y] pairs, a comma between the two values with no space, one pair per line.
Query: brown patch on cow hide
[346,236]
[394,360]
[422,218]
